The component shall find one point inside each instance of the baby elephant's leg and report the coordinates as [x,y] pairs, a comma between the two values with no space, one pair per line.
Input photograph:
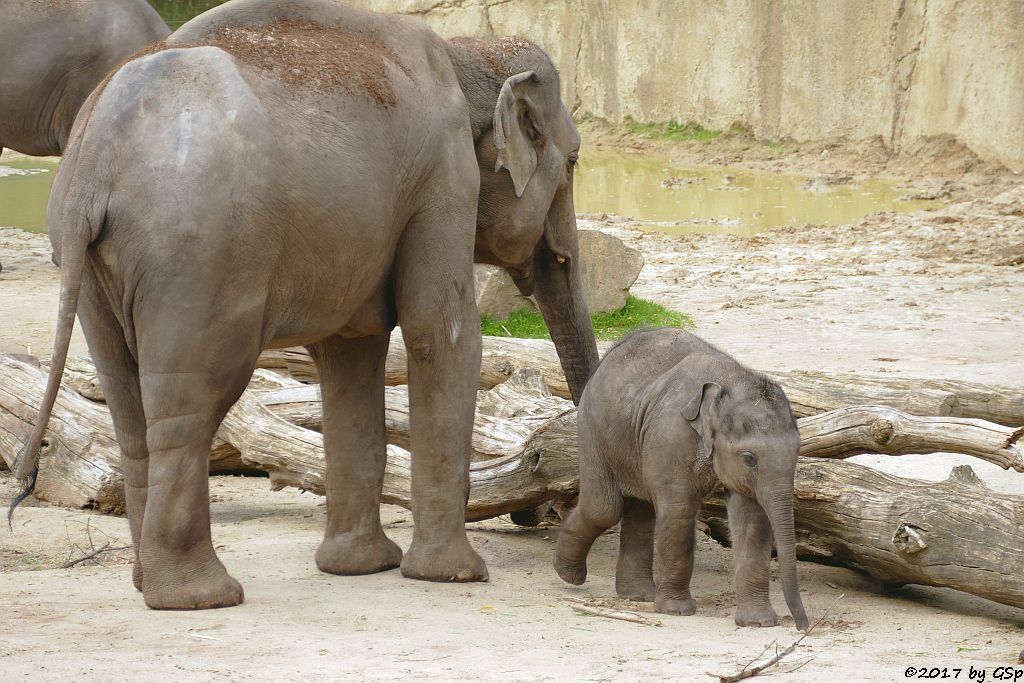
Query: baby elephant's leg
[751,533]
[598,509]
[675,540]
[634,575]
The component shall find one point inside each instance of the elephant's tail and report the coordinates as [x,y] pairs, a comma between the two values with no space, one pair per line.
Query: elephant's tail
[74,245]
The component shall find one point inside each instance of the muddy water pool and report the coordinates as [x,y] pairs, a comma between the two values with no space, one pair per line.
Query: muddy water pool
[677,198]
[24,190]
[685,199]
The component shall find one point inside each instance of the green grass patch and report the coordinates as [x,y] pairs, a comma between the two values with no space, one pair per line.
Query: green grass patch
[636,313]
[673,130]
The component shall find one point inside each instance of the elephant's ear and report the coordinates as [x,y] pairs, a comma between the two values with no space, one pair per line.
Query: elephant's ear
[515,131]
[697,413]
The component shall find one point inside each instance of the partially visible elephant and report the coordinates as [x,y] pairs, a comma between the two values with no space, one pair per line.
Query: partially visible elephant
[53,53]
[666,416]
[300,172]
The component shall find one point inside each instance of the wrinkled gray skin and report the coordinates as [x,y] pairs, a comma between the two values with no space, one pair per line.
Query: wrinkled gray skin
[666,416]
[205,210]
[53,53]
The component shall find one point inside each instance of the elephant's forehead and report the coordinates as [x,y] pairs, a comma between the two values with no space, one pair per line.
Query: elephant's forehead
[753,417]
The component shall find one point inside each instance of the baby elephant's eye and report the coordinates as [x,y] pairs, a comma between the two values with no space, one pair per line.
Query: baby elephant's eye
[749,459]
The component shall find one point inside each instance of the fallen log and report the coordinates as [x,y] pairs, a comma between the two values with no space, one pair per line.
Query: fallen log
[524,419]
[954,534]
[816,392]
[809,392]
[500,359]
[80,463]
[837,434]
[519,462]
[856,430]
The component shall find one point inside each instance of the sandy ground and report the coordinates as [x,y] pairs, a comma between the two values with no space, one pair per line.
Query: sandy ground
[298,623]
[930,294]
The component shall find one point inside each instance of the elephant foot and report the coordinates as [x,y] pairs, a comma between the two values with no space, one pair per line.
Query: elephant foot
[635,589]
[206,588]
[756,615]
[137,574]
[455,561]
[570,572]
[347,554]
[682,606]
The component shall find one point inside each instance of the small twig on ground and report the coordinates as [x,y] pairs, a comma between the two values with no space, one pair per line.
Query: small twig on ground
[750,672]
[105,548]
[583,607]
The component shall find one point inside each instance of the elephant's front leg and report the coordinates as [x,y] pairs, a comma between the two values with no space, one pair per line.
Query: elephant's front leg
[674,541]
[441,328]
[751,532]
[352,390]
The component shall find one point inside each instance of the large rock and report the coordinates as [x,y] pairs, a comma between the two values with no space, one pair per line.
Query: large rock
[609,269]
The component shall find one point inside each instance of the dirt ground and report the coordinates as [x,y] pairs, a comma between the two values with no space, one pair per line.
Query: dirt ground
[930,294]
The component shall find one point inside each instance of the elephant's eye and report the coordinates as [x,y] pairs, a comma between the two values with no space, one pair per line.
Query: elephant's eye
[749,459]
[573,161]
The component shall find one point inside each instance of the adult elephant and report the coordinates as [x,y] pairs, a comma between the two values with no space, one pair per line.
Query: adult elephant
[53,53]
[304,173]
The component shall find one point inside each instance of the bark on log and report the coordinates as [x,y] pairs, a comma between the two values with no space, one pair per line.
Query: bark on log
[955,534]
[816,392]
[852,431]
[521,461]
[501,358]
[80,461]
[809,392]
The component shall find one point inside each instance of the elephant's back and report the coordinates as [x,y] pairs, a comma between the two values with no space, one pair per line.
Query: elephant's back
[53,53]
[324,47]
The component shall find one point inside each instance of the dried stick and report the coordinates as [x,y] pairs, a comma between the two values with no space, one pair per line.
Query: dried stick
[748,672]
[583,607]
[105,548]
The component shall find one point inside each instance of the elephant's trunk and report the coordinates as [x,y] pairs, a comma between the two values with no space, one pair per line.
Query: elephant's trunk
[560,296]
[779,507]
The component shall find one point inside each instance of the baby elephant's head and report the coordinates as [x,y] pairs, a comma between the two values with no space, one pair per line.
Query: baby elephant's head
[747,428]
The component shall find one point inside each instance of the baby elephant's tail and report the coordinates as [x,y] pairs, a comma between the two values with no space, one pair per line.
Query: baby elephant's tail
[74,245]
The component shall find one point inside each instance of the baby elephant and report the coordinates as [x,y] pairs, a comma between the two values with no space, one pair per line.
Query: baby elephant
[665,416]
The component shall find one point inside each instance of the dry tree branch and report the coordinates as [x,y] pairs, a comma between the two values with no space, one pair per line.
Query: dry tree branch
[105,548]
[748,672]
[584,607]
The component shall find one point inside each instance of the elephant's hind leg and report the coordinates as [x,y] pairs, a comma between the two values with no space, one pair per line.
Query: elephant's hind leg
[190,378]
[634,574]
[352,388]
[599,509]
[119,378]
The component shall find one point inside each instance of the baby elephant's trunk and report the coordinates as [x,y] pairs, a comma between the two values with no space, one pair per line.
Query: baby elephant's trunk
[779,507]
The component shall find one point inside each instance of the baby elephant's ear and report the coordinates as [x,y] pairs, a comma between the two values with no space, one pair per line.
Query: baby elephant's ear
[703,398]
